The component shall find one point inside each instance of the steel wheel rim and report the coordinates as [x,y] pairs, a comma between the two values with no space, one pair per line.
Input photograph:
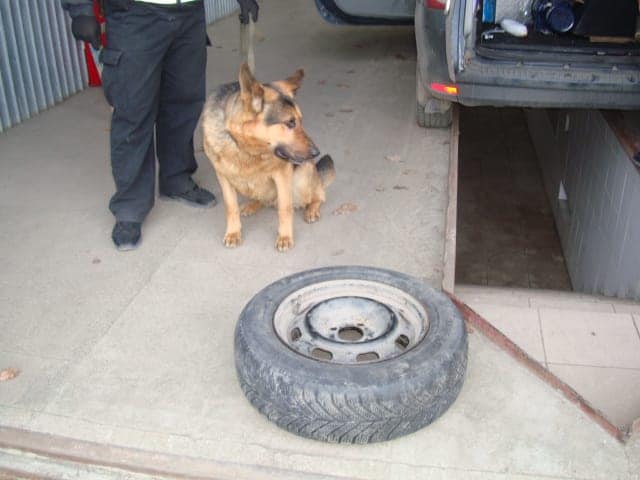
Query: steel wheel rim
[350,322]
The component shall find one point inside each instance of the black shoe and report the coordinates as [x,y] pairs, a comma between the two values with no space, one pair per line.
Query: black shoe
[126,235]
[196,197]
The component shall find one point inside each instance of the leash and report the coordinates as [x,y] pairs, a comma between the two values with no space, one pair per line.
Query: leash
[247,34]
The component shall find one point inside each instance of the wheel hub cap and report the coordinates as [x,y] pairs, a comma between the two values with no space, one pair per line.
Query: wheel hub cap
[350,321]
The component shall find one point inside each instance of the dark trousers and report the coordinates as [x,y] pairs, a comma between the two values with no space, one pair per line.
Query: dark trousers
[154,78]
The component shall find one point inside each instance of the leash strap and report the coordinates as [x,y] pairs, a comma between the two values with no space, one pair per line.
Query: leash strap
[247,34]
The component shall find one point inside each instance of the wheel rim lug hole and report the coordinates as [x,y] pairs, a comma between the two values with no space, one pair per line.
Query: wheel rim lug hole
[402,342]
[367,357]
[295,334]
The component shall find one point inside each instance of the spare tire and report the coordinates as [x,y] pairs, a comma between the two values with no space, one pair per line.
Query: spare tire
[351,354]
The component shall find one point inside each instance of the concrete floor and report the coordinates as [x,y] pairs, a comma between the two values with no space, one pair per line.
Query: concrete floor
[135,349]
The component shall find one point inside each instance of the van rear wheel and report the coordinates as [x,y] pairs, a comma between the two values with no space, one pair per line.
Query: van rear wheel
[431,119]
[431,112]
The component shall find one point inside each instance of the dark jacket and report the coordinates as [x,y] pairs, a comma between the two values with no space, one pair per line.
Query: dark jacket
[78,7]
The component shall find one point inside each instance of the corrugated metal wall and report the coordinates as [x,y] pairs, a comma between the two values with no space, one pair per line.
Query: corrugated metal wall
[40,62]
[218,8]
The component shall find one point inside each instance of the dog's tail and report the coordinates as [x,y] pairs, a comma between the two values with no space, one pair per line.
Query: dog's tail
[327,170]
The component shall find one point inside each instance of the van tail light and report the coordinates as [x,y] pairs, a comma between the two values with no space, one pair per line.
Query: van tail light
[444,88]
[435,4]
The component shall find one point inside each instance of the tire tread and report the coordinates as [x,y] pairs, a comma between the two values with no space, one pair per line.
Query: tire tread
[364,420]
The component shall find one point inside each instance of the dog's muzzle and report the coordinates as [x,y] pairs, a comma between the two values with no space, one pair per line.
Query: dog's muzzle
[314,152]
[296,160]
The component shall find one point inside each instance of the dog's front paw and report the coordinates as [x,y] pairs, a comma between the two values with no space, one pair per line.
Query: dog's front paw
[284,243]
[232,240]
[311,216]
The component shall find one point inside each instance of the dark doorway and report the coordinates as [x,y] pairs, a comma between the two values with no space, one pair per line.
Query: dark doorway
[506,235]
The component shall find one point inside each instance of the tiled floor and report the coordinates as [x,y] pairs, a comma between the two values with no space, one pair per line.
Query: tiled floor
[506,234]
[592,343]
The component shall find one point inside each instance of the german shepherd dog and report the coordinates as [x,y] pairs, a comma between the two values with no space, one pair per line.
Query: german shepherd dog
[253,136]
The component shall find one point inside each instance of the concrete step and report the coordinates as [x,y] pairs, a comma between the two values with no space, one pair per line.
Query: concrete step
[533,298]
[590,342]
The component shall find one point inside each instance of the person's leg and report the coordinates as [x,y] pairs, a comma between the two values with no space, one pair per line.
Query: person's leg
[136,45]
[182,95]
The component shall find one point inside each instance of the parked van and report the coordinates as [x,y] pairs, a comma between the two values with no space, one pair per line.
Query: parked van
[549,53]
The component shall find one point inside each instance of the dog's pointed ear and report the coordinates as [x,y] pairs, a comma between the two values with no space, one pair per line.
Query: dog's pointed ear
[295,80]
[290,86]
[251,91]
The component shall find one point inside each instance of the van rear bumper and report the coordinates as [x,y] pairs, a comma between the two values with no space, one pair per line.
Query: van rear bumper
[493,95]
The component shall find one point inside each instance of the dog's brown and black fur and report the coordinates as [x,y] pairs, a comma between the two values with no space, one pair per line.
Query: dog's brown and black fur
[253,136]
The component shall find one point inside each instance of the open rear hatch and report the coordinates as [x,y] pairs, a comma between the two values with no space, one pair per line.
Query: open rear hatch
[572,31]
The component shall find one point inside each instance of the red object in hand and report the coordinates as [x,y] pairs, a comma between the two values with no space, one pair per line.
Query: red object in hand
[435,4]
[92,68]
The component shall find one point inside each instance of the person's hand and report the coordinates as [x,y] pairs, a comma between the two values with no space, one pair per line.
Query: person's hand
[86,28]
[248,7]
